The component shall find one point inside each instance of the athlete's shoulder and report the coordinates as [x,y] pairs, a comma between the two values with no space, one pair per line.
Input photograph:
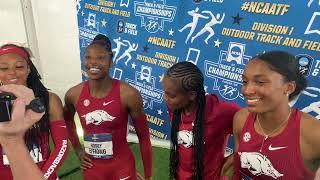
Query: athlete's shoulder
[127,90]
[221,106]
[53,97]
[73,93]
[310,129]
[55,107]
[76,88]
[240,118]
[242,114]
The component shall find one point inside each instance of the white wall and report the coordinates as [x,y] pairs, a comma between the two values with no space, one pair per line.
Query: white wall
[57,33]
[12,22]
[50,29]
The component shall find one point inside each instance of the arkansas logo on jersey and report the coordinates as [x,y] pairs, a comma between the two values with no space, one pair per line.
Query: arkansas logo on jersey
[97,117]
[185,138]
[258,164]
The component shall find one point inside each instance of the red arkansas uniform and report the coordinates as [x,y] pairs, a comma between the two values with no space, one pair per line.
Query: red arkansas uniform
[39,156]
[280,157]
[217,125]
[104,121]
[48,162]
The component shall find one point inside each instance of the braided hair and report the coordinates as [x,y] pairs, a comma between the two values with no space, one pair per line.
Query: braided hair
[34,136]
[191,79]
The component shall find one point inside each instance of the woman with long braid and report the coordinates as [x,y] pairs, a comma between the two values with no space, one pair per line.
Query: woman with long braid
[200,124]
[16,67]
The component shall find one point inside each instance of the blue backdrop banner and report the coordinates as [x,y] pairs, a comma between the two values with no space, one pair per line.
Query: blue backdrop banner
[219,36]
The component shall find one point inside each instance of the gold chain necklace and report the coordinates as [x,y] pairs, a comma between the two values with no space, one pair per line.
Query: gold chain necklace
[266,136]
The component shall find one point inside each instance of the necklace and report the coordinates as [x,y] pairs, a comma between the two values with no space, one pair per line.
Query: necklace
[266,136]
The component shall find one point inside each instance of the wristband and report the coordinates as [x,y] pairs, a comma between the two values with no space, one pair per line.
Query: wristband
[36,105]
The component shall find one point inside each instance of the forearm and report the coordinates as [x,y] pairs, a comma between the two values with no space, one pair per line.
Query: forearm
[143,134]
[59,136]
[72,131]
[21,163]
[228,162]
[146,154]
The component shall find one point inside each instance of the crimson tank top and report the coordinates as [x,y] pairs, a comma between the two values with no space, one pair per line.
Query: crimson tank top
[280,156]
[105,115]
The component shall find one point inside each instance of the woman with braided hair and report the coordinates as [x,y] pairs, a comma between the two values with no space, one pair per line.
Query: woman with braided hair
[200,124]
[17,68]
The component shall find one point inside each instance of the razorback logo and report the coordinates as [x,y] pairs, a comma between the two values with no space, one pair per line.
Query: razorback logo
[97,117]
[258,164]
[185,138]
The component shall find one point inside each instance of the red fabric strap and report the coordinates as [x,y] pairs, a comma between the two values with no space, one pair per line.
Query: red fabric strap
[60,140]
[7,49]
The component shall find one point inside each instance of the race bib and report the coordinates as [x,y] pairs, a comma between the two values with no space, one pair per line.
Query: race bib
[99,146]
[35,154]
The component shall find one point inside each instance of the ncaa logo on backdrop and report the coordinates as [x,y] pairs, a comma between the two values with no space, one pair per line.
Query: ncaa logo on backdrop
[154,13]
[120,27]
[305,62]
[227,73]
[145,83]
[128,28]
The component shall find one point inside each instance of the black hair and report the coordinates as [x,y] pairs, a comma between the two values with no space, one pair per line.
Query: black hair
[104,42]
[34,136]
[287,65]
[191,79]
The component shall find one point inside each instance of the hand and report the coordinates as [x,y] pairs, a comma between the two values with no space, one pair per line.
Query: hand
[228,162]
[20,91]
[140,177]
[85,161]
[21,119]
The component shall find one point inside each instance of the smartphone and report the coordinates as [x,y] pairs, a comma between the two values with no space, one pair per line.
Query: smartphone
[6,102]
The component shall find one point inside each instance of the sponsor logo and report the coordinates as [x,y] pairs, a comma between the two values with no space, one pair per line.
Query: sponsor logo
[275,148]
[106,103]
[125,178]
